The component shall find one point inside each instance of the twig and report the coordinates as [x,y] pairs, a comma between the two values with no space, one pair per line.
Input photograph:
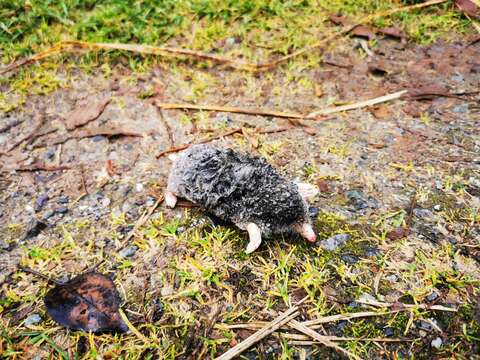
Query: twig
[168,129]
[322,339]
[231,109]
[142,220]
[357,105]
[40,167]
[284,318]
[406,306]
[333,338]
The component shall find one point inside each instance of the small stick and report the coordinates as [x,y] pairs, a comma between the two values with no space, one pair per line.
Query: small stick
[322,339]
[40,167]
[357,105]
[231,109]
[407,306]
[284,318]
[300,337]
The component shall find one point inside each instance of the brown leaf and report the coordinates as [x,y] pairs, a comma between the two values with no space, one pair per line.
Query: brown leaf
[397,233]
[111,169]
[89,302]
[85,113]
[381,112]
[468,7]
[339,19]
[364,31]
[393,32]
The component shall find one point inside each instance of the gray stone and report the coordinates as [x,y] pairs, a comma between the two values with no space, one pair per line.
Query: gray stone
[437,343]
[32,320]
[334,242]
[129,251]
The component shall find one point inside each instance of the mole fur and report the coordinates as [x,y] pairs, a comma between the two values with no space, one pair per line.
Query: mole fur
[239,188]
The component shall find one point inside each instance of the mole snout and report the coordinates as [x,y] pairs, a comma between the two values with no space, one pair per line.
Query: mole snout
[243,189]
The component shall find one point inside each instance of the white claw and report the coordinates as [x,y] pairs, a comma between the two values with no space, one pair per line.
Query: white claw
[306,230]
[255,236]
[170,199]
[307,191]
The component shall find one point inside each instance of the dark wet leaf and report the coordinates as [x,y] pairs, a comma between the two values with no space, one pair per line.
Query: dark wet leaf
[468,7]
[398,233]
[85,113]
[339,19]
[89,302]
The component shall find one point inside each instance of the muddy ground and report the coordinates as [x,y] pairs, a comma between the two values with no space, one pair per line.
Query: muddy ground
[401,179]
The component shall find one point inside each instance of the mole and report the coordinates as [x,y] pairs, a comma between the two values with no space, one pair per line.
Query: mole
[242,189]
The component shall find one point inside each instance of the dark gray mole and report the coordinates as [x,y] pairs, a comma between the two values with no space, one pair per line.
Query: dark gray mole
[239,188]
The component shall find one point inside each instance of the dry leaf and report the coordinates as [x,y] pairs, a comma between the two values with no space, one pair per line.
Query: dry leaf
[468,7]
[397,233]
[364,31]
[393,32]
[85,113]
[89,302]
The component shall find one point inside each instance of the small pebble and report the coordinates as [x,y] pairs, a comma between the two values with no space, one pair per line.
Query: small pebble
[49,154]
[98,138]
[150,202]
[371,251]
[129,251]
[41,201]
[334,242]
[437,343]
[48,214]
[357,199]
[105,202]
[352,304]
[433,296]
[392,279]
[388,331]
[139,187]
[62,200]
[366,297]
[423,325]
[61,210]
[437,207]
[32,320]
[350,259]
[313,211]
[460,109]
[29,208]
[422,213]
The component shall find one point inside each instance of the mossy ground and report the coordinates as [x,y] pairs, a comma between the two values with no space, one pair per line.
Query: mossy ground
[187,273]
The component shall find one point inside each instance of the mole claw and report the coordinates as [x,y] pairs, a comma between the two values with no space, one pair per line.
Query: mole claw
[170,199]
